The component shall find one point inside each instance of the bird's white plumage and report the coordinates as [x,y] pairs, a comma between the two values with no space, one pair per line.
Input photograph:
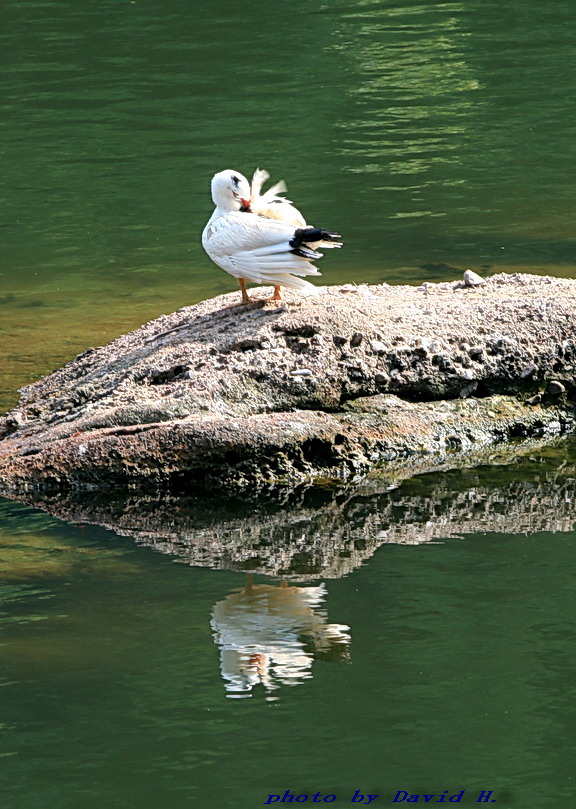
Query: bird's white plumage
[249,233]
[254,248]
[273,206]
[270,204]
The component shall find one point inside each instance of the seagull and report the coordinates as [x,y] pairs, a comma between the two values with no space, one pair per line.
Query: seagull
[262,238]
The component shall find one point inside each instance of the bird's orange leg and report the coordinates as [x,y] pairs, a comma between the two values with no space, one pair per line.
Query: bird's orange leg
[245,296]
[277,296]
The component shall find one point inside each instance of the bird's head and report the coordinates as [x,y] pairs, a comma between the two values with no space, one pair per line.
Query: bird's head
[231,191]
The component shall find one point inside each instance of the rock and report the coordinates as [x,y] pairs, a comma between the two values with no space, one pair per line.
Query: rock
[556,388]
[472,279]
[476,353]
[221,395]
[468,390]
[378,347]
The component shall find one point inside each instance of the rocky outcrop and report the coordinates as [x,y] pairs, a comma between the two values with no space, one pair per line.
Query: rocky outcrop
[246,397]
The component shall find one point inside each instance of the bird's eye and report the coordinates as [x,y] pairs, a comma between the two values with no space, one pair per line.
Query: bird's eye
[235,179]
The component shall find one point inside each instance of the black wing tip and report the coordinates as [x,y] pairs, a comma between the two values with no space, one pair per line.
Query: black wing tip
[306,252]
[305,235]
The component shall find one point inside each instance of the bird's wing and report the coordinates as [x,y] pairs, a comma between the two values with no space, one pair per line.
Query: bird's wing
[254,248]
[244,231]
[272,268]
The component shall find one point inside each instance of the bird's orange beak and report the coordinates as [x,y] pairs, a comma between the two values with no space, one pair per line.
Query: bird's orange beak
[245,203]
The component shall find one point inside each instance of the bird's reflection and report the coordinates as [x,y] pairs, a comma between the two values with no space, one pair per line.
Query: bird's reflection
[270,635]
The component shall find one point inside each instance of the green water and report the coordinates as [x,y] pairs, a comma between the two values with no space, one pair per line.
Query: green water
[435,137]
[438,655]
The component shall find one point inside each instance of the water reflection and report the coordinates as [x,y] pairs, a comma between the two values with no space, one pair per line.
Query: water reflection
[270,635]
[318,534]
[414,94]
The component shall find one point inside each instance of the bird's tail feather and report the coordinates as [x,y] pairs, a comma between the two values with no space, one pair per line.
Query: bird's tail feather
[313,238]
[281,264]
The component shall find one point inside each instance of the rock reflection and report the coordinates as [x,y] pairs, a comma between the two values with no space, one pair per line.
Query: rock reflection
[270,636]
[317,534]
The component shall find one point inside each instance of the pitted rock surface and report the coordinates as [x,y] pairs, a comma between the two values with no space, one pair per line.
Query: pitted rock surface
[330,385]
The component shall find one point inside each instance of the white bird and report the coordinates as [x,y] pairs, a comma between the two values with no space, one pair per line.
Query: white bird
[261,238]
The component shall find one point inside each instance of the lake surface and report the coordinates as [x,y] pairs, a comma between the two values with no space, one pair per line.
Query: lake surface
[420,639]
[434,137]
